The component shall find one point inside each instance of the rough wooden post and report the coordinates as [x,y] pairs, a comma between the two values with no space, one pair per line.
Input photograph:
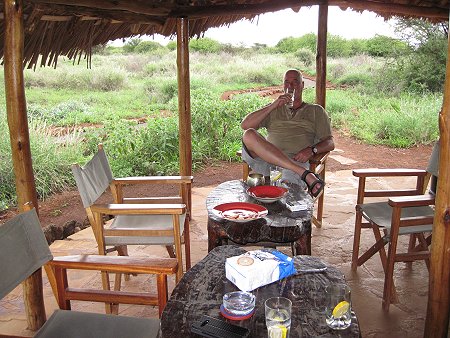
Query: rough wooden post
[184,101]
[321,56]
[438,308]
[20,143]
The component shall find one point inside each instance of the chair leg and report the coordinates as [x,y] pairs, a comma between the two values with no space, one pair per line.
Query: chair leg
[411,246]
[245,171]
[389,272]
[356,239]
[187,244]
[170,251]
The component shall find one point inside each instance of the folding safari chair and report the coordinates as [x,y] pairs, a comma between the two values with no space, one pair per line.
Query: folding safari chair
[24,251]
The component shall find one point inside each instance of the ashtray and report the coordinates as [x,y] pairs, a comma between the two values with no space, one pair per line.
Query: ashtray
[238,304]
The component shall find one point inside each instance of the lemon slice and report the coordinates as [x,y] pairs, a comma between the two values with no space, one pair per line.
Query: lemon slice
[276,178]
[340,309]
[277,331]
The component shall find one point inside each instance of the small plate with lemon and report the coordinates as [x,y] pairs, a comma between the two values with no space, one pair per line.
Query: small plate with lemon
[267,193]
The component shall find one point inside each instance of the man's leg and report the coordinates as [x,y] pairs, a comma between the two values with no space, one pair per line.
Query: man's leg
[258,146]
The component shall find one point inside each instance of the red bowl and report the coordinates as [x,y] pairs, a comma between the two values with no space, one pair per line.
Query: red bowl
[267,193]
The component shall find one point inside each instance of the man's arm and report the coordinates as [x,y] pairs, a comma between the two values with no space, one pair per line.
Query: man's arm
[322,146]
[253,120]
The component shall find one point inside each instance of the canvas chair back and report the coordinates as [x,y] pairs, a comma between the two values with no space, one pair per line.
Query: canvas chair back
[23,249]
[433,167]
[94,178]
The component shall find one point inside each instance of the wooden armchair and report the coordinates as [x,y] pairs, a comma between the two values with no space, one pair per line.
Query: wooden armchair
[24,251]
[405,211]
[137,221]
[318,166]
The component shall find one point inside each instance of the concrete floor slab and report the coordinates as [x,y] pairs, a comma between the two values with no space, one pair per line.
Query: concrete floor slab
[332,243]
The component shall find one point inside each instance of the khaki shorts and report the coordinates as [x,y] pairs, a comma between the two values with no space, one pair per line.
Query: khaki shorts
[260,166]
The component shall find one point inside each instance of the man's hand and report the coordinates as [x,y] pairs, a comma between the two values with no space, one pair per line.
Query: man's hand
[303,155]
[282,100]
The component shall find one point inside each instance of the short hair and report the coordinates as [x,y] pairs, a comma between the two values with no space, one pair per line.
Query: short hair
[300,75]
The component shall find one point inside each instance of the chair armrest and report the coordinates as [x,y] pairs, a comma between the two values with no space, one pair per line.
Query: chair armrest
[388,172]
[117,264]
[154,180]
[319,158]
[412,201]
[139,209]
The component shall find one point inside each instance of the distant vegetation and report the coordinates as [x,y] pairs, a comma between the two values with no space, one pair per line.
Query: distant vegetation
[387,91]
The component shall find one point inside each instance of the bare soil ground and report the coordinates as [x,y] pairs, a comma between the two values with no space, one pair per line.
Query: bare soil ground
[66,206]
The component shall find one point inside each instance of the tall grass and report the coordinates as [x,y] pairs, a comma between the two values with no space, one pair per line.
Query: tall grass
[51,161]
[120,88]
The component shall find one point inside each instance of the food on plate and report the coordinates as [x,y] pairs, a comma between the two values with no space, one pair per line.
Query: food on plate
[240,214]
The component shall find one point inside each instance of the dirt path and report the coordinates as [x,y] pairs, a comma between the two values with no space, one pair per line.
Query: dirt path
[66,206]
[349,154]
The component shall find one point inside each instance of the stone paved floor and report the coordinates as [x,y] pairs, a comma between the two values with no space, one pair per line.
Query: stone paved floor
[332,242]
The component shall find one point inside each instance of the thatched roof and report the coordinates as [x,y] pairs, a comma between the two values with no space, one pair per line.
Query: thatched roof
[72,27]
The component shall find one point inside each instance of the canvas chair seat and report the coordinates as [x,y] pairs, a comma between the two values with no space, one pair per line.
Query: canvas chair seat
[141,222]
[381,214]
[74,324]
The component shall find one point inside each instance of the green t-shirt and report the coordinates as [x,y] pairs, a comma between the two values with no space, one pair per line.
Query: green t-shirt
[308,126]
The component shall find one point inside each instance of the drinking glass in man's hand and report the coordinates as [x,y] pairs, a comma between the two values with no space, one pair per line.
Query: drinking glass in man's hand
[291,92]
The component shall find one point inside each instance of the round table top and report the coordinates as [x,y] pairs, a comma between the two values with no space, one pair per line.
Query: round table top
[201,289]
[280,225]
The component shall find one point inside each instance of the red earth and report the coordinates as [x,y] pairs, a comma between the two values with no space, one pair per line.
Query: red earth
[66,206]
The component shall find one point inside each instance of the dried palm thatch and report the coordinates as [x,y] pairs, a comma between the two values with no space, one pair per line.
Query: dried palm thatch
[72,27]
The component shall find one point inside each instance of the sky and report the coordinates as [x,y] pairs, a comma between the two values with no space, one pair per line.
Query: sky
[272,27]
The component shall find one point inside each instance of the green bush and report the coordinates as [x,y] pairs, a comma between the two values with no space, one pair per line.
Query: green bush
[204,45]
[305,56]
[148,47]
[131,45]
[385,46]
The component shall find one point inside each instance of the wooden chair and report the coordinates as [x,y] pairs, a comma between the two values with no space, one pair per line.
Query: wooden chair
[407,211]
[24,251]
[137,221]
[317,165]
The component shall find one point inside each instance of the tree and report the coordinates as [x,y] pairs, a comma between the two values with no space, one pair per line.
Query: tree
[423,65]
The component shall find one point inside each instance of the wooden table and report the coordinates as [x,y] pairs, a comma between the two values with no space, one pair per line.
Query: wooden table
[201,289]
[279,227]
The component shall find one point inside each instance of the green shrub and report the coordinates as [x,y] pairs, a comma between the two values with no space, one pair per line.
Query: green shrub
[148,47]
[204,45]
[131,45]
[305,56]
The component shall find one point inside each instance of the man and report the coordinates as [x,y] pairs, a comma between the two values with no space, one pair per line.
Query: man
[294,135]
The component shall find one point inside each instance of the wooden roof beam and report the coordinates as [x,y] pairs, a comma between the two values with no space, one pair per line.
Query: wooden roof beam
[136,6]
[394,9]
[256,9]
[195,12]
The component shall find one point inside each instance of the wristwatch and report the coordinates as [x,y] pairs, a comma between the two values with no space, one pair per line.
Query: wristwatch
[314,150]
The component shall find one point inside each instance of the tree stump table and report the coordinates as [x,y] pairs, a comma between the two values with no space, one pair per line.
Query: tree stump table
[279,227]
[201,289]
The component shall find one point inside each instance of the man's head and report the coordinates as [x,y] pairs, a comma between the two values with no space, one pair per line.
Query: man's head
[294,79]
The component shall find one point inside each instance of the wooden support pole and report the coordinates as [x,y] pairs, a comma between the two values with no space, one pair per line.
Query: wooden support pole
[321,56]
[438,308]
[20,143]
[184,101]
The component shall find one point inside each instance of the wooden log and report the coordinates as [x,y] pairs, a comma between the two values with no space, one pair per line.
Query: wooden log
[438,308]
[184,103]
[321,56]
[20,144]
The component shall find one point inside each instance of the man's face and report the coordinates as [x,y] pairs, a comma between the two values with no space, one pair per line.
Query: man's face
[293,80]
